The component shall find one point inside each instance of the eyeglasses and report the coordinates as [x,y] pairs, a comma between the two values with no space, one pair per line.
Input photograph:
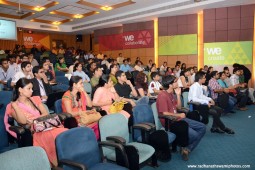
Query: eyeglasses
[41,72]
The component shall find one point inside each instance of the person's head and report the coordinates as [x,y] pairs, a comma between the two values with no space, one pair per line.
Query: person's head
[138,62]
[153,68]
[169,82]
[115,61]
[215,74]
[75,83]
[186,72]
[4,63]
[169,69]
[195,69]
[45,65]
[23,88]
[98,72]
[121,76]
[191,70]
[205,68]
[178,63]
[31,56]
[138,58]
[105,82]
[38,72]
[222,75]
[61,60]
[77,67]
[141,79]
[177,67]
[150,61]
[183,66]
[241,71]
[24,58]
[26,66]
[129,60]
[227,73]
[236,65]
[125,62]
[236,71]
[155,76]
[200,77]
[105,57]
[120,54]
[113,69]
[210,69]
[12,59]
[165,64]
[225,68]
[93,66]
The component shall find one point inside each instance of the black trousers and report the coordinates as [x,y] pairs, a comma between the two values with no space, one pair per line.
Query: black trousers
[215,111]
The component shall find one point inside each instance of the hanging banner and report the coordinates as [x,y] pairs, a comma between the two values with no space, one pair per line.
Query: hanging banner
[138,39]
[227,53]
[36,39]
[110,42]
[178,44]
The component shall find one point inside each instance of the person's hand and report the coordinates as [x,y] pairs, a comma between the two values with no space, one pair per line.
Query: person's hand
[132,103]
[181,115]
[44,97]
[177,91]
[81,89]
[226,90]
[212,102]
[129,82]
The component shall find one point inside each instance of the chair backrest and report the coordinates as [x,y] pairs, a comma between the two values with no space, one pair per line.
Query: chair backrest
[5,99]
[79,145]
[59,73]
[114,125]
[142,113]
[87,87]
[155,114]
[62,79]
[28,158]
[4,135]
[58,106]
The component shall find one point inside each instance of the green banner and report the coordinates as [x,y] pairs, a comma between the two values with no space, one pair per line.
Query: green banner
[178,44]
[227,53]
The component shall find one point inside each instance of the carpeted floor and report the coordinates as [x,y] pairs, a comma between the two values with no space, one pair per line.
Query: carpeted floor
[221,149]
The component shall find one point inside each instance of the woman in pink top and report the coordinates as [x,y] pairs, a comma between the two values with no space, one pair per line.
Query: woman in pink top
[105,95]
[24,109]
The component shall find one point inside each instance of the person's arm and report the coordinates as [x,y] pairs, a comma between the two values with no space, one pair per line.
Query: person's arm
[17,114]
[178,94]
[98,99]
[88,100]
[184,84]
[141,92]
[68,106]
[196,96]
[133,92]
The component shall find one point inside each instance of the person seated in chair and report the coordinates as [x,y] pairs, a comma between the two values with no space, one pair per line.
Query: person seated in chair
[41,86]
[155,86]
[167,104]
[217,91]
[24,109]
[77,71]
[141,85]
[26,71]
[113,69]
[6,73]
[61,66]
[207,105]
[98,72]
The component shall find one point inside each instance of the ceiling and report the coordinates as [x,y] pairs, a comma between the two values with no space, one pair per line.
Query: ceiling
[85,16]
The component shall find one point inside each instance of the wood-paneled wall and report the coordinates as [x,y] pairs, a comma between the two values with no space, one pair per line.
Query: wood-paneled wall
[69,40]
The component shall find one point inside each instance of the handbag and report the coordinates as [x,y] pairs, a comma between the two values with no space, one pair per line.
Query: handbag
[86,119]
[45,123]
[117,106]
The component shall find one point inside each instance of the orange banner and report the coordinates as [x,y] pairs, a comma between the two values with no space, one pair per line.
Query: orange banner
[36,39]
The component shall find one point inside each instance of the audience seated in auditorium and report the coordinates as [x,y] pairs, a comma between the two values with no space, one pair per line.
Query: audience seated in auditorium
[100,55]
[48,72]
[217,92]
[138,66]
[96,76]
[246,72]
[120,59]
[113,69]
[105,95]
[155,86]
[6,73]
[32,60]
[141,85]
[24,109]
[91,68]
[26,71]
[77,71]
[105,61]
[125,67]
[183,80]
[163,67]
[168,105]
[208,75]
[60,65]
[41,86]
[183,67]
[34,50]
[149,65]
[169,71]
[177,71]
[207,105]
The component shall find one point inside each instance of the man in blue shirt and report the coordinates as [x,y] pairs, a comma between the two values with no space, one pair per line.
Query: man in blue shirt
[125,67]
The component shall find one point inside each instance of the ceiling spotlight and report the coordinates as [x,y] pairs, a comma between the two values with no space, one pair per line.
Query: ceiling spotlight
[106,8]
[39,8]
[56,23]
[78,16]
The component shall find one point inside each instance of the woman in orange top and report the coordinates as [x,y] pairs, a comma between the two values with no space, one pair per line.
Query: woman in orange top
[24,109]
[75,100]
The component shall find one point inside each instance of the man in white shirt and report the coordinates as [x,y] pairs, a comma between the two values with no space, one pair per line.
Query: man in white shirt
[25,72]
[155,86]
[207,105]
[178,71]
[163,67]
[6,73]
[105,62]
[120,59]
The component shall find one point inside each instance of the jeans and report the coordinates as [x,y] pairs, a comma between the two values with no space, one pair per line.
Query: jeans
[231,104]
[196,132]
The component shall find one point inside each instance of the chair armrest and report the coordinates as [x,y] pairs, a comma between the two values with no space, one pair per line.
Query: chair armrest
[150,124]
[118,147]
[143,126]
[56,168]
[116,139]
[17,129]
[183,110]
[72,163]
[195,103]
[167,117]
[63,116]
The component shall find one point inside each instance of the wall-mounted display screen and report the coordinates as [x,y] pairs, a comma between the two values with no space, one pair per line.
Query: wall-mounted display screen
[8,30]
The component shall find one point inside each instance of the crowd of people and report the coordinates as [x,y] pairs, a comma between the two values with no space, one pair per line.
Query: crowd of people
[32,78]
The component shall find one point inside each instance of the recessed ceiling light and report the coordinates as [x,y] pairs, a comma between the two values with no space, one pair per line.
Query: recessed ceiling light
[106,8]
[39,8]
[78,16]
[56,23]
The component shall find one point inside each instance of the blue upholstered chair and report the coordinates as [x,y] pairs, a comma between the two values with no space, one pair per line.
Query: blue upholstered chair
[143,113]
[117,125]
[78,148]
[88,88]
[28,158]
[59,73]
[62,80]
[58,106]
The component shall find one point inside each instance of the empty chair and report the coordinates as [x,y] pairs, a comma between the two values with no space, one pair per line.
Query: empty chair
[117,125]
[78,148]
[59,73]
[28,158]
